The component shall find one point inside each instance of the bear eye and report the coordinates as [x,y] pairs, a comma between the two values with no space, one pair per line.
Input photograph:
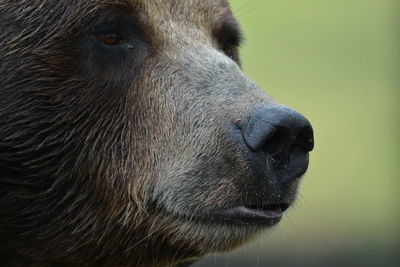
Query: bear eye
[109,38]
[229,38]
[230,52]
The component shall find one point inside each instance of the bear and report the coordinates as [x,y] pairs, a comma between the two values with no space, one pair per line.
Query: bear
[129,135]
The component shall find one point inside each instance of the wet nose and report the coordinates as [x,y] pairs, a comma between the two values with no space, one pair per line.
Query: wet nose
[283,135]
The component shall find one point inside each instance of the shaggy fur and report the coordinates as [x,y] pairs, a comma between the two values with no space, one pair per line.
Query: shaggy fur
[118,155]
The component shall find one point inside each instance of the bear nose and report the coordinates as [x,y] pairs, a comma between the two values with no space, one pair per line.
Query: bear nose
[280,132]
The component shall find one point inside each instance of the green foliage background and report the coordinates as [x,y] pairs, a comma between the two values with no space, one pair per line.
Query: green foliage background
[337,62]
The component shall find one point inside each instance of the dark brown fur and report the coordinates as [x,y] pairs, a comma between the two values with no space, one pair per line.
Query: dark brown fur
[118,158]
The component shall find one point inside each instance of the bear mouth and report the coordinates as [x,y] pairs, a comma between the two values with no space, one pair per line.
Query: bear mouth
[254,214]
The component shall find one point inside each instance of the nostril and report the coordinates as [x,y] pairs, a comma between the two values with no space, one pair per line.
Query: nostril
[256,134]
[305,139]
[278,147]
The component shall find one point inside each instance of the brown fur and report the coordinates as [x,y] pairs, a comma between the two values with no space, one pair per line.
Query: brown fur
[119,158]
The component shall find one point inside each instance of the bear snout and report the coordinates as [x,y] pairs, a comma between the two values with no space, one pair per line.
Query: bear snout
[277,140]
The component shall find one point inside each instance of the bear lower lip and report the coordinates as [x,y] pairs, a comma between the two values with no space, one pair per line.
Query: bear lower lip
[269,214]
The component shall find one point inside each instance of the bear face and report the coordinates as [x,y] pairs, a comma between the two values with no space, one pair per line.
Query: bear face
[130,136]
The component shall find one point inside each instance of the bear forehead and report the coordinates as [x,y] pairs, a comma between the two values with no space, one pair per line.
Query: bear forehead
[205,13]
[165,8]
[175,7]
[157,16]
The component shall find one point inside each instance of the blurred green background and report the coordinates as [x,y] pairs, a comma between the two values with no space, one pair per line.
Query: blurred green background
[338,63]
